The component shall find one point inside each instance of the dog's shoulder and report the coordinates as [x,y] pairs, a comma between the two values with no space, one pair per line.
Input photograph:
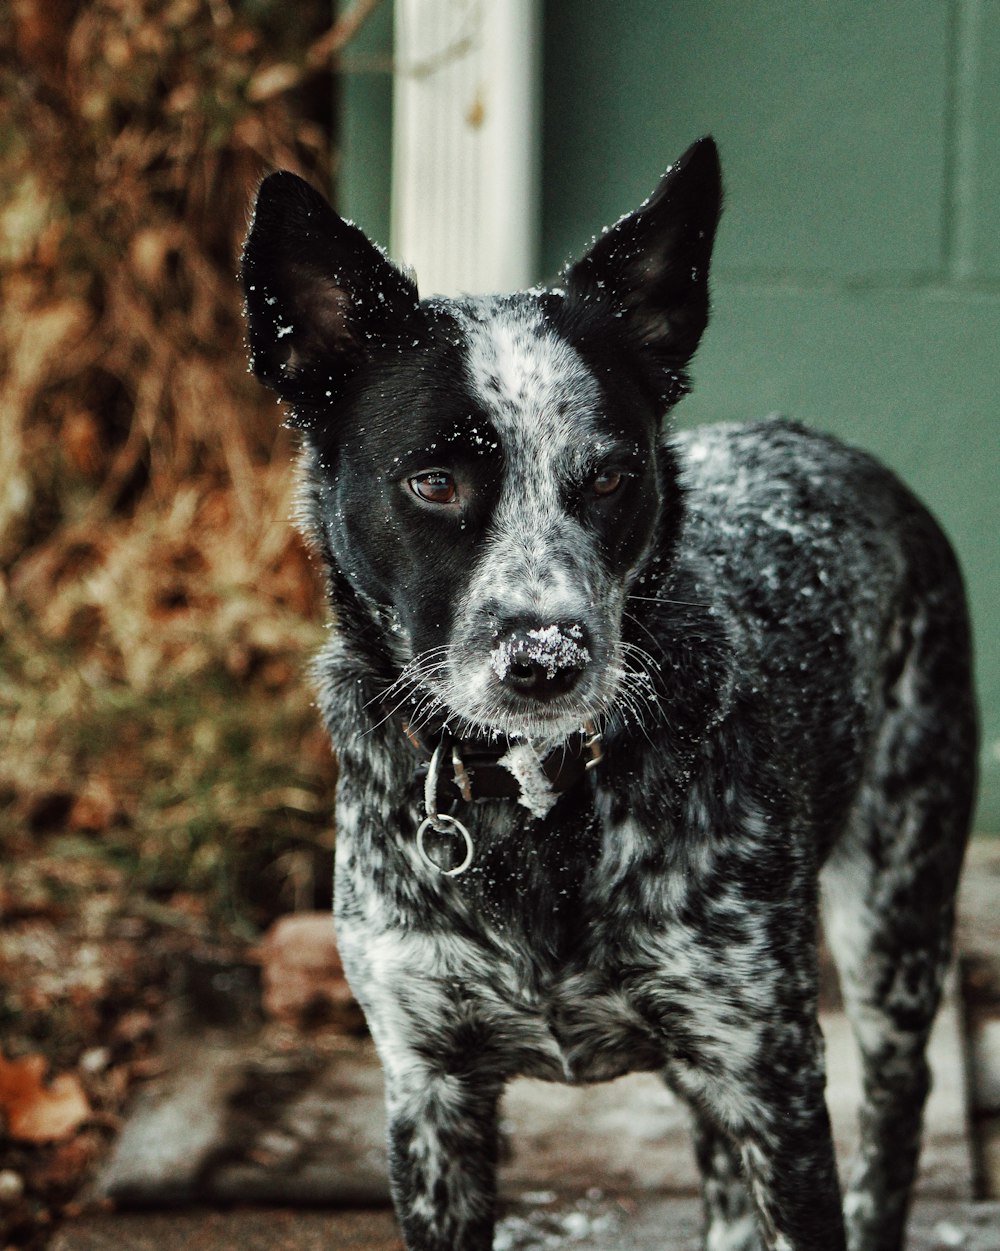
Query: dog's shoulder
[788,515]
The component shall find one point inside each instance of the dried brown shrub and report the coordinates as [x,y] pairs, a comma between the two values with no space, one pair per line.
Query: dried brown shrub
[149,576]
[135,131]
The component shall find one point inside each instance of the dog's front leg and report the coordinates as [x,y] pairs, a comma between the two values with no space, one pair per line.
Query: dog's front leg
[414,982]
[773,1114]
[442,1156]
[789,1165]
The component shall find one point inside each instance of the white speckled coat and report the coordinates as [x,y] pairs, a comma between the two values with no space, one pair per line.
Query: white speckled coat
[766,627]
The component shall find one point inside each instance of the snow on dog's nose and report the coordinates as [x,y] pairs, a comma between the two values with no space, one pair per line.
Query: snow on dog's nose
[541,663]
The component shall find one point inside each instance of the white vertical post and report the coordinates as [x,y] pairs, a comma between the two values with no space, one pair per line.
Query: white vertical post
[465,143]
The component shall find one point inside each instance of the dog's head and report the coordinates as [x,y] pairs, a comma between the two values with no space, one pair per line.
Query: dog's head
[487,474]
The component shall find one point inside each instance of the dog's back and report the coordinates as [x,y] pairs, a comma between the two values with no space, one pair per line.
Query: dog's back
[851,617]
[848,603]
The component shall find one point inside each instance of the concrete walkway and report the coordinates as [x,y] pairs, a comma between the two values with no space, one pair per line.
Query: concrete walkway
[596,1224]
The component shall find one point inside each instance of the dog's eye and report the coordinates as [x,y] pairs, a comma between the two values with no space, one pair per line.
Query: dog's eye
[607,482]
[436,487]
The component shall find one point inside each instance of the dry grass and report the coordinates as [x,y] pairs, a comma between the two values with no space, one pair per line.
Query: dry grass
[155,704]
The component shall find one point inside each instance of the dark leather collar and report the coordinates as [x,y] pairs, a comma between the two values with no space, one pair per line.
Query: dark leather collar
[473,771]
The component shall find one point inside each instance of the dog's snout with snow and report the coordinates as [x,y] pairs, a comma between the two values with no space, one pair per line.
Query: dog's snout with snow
[541,663]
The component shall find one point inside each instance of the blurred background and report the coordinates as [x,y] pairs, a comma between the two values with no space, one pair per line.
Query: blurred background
[165,788]
[162,772]
[157,606]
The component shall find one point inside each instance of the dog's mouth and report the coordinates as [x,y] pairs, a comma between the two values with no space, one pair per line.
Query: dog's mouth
[513,719]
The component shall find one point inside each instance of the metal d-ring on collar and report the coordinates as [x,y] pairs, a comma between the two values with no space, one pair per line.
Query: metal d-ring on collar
[442,822]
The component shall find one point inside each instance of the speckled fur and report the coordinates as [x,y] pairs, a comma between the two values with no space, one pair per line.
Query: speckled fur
[778,653]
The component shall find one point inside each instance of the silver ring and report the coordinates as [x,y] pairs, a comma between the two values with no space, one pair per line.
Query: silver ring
[444,824]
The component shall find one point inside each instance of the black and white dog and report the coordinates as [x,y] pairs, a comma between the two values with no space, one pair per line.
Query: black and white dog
[613,709]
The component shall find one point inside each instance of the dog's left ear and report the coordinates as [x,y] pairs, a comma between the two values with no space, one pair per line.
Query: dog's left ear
[651,268]
[321,299]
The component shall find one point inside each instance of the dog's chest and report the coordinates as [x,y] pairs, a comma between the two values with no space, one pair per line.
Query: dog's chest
[498,1000]
[558,964]
[595,1030]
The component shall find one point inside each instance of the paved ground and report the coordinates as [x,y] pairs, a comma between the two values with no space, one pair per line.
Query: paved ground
[596,1224]
[243,1119]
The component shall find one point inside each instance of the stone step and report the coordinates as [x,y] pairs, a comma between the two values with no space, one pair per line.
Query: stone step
[237,1121]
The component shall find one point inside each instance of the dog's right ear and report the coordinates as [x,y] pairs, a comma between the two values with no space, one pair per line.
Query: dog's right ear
[320,298]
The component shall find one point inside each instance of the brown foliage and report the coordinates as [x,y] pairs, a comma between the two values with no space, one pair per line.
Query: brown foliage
[145,545]
[163,780]
[137,130]
[36,1111]
[155,602]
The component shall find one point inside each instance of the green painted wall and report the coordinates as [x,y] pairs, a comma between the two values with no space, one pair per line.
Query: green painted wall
[363,173]
[858,267]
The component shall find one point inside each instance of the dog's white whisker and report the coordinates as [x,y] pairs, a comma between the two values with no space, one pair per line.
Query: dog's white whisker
[408,683]
[659,599]
[413,671]
[634,648]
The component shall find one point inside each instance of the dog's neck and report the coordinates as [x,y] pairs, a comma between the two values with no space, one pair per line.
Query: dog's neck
[477,767]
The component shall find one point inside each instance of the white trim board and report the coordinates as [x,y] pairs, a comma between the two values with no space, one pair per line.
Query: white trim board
[465,143]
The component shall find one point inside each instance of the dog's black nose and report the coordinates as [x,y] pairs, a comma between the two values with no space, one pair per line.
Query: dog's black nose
[542,663]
